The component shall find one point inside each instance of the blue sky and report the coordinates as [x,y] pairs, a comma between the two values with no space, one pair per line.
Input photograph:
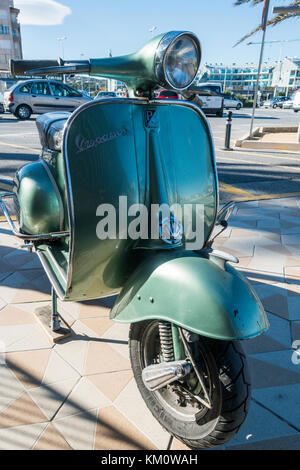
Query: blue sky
[92,27]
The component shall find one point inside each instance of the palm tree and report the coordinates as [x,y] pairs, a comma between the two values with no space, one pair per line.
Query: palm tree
[273,21]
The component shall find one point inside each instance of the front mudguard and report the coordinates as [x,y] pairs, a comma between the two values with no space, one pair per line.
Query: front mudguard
[195,293]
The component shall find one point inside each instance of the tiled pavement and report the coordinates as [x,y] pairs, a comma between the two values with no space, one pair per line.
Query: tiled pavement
[80,394]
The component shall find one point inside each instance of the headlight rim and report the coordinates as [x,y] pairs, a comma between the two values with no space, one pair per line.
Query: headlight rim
[161,54]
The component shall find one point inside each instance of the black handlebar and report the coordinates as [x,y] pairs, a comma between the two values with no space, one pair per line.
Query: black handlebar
[21,67]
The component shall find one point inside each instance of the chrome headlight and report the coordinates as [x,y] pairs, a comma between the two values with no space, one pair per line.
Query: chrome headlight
[177,59]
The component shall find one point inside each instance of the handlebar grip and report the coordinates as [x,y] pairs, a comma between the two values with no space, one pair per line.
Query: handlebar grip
[197,100]
[192,97]
[19,67]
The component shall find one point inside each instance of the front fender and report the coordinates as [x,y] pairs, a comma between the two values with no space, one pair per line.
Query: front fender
[195,293]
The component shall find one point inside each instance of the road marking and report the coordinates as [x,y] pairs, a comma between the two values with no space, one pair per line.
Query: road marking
[267,155]
[18,135]
[290,168]
[268,196]
[234,190]
[3,218]
[20,147]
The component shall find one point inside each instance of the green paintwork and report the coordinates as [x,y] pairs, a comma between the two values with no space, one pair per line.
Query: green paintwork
[136,70]
[55,162]
[39,207]
[167,160]
[115,148]
[193,292]
[146,164]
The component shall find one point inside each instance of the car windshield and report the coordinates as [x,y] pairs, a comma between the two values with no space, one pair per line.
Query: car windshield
[214,88]
[106,93]
[63,90]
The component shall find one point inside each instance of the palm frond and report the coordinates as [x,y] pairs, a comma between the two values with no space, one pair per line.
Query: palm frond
[237,3]
[272,22]
[248,35]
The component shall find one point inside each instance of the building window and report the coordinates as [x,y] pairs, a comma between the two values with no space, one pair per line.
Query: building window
[4,29]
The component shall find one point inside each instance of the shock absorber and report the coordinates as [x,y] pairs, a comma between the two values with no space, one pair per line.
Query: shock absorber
[166,341]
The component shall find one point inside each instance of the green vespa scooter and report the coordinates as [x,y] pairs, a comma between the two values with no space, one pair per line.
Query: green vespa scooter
[93,209]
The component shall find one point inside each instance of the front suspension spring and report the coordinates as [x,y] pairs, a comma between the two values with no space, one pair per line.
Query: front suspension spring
[166,341]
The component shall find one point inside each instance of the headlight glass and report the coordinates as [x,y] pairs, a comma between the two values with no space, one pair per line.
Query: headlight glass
[181,62]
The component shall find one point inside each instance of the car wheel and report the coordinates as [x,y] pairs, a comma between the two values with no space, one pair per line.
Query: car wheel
[296,110]
[220,113]
[238,106]
[1,108]
[23,112]
[274,106]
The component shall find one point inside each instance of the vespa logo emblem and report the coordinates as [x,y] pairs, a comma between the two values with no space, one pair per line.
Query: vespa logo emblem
[151,118]
[171,230]
[84,144]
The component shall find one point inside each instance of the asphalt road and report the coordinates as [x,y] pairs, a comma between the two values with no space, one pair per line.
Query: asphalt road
[243,173]
[247,173]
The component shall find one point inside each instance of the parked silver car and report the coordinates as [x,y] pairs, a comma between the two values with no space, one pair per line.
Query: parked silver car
[41,96]
[232,102]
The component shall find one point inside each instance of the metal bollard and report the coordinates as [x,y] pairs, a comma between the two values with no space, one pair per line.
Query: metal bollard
[228,131]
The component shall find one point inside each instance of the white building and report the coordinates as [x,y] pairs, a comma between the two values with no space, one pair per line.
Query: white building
[10,36]
[279,76]
[286,75]
[238,78]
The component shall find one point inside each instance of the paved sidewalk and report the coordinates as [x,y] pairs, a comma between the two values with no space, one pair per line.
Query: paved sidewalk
[80,394]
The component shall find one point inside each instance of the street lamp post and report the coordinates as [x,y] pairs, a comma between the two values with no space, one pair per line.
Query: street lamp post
[81,56]
[296,10]
[151,30]
[276,41]
[264,28]
[61,40]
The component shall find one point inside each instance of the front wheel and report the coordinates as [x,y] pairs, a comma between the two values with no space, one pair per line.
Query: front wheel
[176,408]
[23,112]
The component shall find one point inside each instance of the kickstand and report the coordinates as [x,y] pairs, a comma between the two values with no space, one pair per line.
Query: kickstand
[55,321]
[52,321]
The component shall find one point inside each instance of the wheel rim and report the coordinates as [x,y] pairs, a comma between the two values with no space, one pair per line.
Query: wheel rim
[171,396]
[23,112]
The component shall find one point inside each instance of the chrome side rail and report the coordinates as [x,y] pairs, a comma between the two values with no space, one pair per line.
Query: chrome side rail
[17,233]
